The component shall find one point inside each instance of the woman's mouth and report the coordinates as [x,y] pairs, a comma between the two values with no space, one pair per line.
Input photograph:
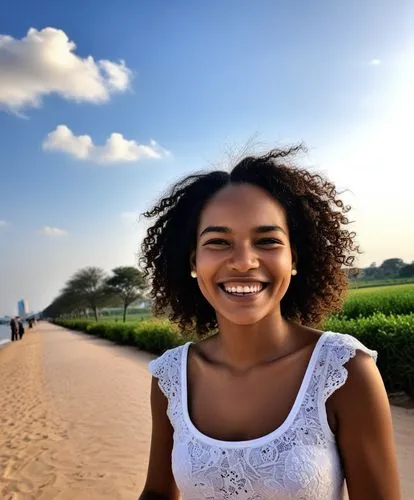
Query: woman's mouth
[243,289]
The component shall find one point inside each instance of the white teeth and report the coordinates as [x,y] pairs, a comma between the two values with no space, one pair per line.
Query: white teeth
[243,289]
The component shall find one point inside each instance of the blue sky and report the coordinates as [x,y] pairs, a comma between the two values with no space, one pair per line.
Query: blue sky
[197,79]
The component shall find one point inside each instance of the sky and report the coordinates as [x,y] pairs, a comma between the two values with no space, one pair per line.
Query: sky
[104,105]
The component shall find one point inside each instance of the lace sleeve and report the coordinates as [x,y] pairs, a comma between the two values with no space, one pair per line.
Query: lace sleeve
[343,348]
[340,349]
[166,369]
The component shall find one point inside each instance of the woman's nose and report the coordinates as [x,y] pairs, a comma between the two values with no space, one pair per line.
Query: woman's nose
[243,258]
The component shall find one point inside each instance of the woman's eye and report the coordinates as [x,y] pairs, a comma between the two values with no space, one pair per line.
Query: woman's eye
[268,241]
[217,242]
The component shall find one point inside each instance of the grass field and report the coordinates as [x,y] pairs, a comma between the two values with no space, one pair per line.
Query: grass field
[376,283]
[130,317]
[381,290]
[395,299]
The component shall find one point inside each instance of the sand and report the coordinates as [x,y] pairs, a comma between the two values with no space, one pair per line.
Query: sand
[75,419]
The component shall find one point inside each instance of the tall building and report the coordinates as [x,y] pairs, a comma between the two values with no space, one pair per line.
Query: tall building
[22,308]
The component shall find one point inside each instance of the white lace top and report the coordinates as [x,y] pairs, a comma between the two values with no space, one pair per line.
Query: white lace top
[297,461]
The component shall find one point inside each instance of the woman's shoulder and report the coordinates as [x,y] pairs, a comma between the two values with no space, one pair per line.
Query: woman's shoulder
[169,359]
[346,360]
[351,368]
[342,346]
[345,347]
[167,368]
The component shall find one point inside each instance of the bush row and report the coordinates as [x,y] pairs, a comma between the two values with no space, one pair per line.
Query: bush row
[392,336]
[155,336]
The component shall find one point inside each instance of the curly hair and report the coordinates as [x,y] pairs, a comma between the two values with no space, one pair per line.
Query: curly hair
[316,218]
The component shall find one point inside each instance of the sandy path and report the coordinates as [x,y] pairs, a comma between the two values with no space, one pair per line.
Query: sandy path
[75,420]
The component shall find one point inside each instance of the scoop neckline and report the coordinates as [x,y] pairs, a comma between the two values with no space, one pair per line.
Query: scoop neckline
[261,439]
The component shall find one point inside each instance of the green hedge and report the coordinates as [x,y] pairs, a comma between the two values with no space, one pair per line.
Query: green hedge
[392,336]
[155,336]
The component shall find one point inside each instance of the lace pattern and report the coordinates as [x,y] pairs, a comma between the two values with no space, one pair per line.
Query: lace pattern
[297,461]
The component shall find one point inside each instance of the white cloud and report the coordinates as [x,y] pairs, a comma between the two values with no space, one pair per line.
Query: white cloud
[62,139]
[3,223]
[375,62]
[52,231]
[116,149]
[44,62]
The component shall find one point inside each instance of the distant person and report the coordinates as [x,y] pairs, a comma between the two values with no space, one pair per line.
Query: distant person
[264,405]
[14,327]
[20,328]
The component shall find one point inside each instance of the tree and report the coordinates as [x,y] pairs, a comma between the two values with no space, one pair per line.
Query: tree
[128,284]
[88,286]
[391,267]
[407,271]
[65,303]
[371,272]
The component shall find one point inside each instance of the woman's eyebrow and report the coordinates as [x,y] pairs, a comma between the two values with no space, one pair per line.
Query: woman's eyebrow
[215,229]
[258,229]
[268,229]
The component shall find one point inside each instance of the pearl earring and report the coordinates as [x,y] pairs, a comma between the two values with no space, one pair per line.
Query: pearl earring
[193,274]
[294,272]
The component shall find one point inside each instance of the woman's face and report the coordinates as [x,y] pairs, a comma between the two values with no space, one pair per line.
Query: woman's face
[243,257]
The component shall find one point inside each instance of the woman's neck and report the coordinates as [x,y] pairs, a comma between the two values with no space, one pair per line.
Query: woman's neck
[242,347]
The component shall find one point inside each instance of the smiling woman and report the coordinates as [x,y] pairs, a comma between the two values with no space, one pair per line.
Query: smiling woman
[254,260]
[311,213]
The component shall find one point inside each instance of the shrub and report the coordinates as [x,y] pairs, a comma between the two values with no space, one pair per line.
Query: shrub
[98,329]
[74,324]
[155,336]
[393,337]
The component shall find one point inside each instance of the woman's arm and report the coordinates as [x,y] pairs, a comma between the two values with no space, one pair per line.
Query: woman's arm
[150,495]
[364,433]
[160,484]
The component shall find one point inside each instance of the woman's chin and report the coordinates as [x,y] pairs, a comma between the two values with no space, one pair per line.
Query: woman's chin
[243,318]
